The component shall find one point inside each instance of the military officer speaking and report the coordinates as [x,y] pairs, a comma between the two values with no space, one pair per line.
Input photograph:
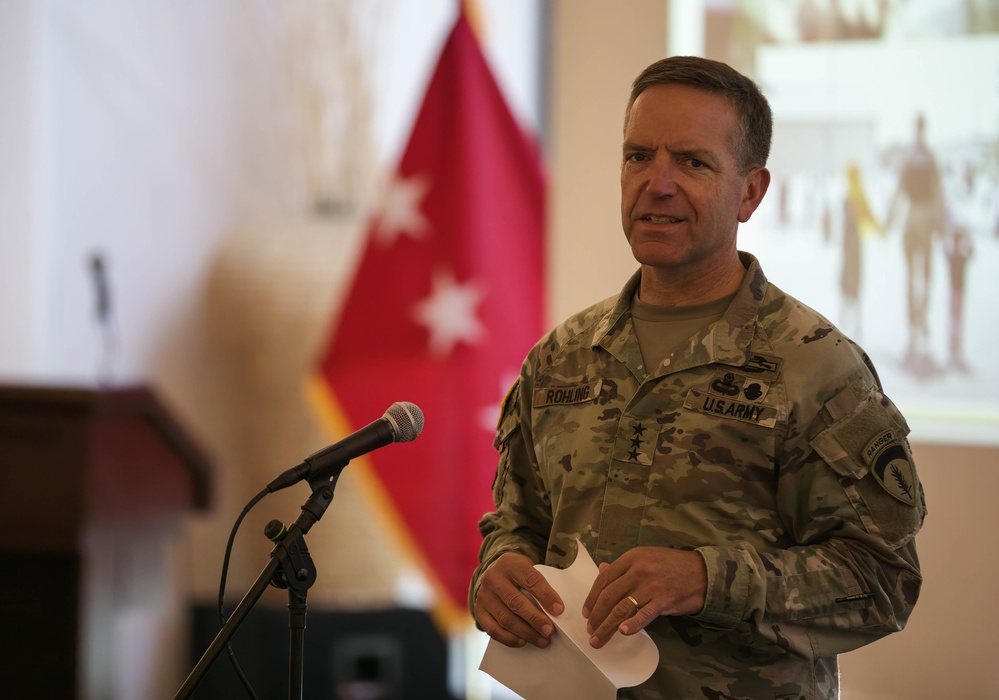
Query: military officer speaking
[723,452]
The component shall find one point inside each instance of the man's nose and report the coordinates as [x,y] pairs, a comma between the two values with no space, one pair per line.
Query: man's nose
[662,178]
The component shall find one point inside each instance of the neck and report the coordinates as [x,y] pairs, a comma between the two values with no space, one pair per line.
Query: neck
[674,287]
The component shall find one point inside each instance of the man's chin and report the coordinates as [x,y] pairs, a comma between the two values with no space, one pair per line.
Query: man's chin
[658,254]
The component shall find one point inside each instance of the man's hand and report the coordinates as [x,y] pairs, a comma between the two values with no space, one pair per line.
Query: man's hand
[641,585]
[506,612]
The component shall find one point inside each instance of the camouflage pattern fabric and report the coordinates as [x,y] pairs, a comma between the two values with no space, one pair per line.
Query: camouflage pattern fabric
[765,444]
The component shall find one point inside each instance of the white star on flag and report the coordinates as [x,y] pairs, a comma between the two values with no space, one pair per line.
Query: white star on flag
[400,210]
[449,313]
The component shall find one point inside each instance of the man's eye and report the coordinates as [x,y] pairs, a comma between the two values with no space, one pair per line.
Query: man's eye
[637,157]
[694,163]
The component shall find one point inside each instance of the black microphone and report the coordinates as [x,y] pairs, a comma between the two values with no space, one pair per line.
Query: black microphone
[402,422]
[102,289]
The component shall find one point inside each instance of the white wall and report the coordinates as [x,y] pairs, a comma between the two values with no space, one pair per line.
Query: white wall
[18,331]
[149,132]
[132,148]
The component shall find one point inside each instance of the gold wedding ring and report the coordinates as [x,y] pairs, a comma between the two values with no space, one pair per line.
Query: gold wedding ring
[634,602]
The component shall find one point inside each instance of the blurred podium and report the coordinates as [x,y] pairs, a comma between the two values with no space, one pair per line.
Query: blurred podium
[94,485]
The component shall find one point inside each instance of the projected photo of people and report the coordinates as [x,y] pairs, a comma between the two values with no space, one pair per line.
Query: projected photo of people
[884,210]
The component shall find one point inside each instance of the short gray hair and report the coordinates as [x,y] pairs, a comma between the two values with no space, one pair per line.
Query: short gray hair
[752,146]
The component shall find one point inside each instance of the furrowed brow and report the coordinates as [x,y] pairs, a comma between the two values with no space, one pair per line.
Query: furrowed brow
[706,156]
[632,146]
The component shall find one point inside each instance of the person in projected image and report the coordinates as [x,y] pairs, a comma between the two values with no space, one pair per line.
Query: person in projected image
[723,452]
[958,250]
[920,191]
[859,223]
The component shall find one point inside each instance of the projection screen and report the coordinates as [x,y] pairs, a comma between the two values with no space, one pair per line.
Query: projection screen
[883,211]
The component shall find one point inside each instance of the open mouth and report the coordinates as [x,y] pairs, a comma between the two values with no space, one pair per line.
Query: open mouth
[661,219]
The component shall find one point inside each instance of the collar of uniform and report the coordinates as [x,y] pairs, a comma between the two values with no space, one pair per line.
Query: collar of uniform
[729,338]
[732,335]
[620,309]
[612,334]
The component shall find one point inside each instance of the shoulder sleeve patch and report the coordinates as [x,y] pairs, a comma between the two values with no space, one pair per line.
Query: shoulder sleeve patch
[891,464]
[864,433]
[864,441]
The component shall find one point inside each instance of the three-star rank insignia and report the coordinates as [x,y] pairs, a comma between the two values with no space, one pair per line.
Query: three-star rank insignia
[635,442]
[891,465]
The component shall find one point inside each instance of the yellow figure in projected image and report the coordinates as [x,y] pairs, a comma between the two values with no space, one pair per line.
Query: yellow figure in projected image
[859,223]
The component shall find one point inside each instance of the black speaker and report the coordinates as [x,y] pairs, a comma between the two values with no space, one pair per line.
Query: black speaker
[393,654]
[39,625]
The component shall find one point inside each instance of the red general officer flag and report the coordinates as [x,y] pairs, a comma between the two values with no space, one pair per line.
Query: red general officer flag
[446,302]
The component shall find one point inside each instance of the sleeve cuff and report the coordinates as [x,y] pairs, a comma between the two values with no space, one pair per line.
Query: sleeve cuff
[731,580]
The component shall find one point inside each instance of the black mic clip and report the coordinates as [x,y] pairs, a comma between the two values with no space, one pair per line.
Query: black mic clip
[297,569]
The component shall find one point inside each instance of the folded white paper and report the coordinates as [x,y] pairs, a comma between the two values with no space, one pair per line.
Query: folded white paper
[569,667]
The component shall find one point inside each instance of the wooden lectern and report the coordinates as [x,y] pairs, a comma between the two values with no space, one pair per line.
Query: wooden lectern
[92,483]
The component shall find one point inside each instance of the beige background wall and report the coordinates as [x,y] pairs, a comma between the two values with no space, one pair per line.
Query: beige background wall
[597,49]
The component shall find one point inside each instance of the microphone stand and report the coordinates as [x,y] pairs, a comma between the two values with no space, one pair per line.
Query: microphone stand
[290,566]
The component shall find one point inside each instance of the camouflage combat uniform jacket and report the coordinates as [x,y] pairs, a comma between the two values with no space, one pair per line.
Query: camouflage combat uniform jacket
[765,444]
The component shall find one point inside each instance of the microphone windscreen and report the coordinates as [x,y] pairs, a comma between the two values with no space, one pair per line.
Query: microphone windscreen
[406,420]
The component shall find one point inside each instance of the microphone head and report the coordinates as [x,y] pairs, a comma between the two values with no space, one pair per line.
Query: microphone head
[406,420]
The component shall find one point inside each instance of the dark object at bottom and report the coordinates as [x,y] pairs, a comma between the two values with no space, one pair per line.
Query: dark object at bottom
[395,654]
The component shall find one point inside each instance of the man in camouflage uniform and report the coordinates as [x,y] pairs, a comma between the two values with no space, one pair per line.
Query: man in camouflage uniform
[722,451]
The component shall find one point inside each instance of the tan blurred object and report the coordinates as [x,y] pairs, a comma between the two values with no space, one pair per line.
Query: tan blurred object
[272,293]
[330,47]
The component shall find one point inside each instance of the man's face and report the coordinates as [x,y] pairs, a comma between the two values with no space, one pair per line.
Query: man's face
[682,195]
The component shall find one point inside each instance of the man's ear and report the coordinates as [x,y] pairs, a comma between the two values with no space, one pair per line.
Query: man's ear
[754,187]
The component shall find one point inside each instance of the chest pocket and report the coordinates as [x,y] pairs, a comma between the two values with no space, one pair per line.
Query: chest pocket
[636,441]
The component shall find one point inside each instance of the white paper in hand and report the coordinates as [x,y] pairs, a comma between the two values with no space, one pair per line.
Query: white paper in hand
[569,667]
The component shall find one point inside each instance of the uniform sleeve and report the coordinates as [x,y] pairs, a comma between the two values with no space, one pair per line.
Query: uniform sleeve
[522,520]
[849,495]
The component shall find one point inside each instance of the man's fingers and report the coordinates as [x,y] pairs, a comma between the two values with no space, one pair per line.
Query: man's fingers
[639,621]
[623,613]
[516,619]
[542,591]
[662,581]
[495,630]
[602,596]
[505,609]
